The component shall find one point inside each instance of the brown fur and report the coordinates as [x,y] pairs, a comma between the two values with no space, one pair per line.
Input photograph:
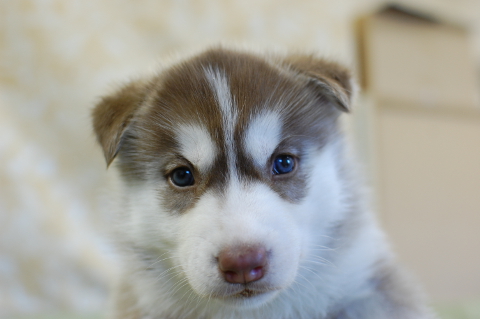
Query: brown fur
[182,94]
[125,302]
[332,79]
[137,124]
[113,114]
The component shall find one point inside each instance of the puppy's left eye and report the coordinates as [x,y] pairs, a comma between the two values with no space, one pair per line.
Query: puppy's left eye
[283,164]
[182,177]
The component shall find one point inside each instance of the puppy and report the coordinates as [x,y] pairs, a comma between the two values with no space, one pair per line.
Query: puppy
[238,200]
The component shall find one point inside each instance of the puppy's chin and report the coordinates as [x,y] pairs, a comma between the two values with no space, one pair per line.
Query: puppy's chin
[248,299]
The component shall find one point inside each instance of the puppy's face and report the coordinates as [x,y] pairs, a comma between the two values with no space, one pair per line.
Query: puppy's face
[229,163]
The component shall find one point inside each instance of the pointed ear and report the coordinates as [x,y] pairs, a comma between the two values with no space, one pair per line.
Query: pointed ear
[331,79]
[113,115]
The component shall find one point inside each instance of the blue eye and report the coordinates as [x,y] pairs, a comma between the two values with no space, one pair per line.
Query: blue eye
[283,164]
[182,177]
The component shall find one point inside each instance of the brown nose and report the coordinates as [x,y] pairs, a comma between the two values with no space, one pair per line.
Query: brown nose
[242,264]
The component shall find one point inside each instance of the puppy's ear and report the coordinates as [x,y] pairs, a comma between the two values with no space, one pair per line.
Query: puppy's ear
[113,115]
[331,79]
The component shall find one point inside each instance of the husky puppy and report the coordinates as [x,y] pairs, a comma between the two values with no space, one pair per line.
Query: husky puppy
[237,198]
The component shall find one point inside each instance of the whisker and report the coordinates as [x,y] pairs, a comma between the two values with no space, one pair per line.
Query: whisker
[324,261]
[179,285]
[159,260]
[298,283]
[169,272]
[313,272]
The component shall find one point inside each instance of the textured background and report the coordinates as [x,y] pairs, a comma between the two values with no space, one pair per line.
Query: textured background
[56,58]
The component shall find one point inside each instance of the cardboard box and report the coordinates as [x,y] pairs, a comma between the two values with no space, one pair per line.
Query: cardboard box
[415,61]
[424,124]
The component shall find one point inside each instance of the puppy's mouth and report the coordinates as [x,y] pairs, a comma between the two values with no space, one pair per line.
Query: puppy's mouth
[247,293]
[250,297]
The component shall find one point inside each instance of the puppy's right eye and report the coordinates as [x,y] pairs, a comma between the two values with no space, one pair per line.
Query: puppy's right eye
[182,177]
[283,164]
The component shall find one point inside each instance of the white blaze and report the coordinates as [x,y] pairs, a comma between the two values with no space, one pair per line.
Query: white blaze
[221,89]
[196,145]
[262,136]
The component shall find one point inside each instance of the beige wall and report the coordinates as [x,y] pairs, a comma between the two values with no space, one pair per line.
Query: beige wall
[429,187]
[422,81]
[56,58]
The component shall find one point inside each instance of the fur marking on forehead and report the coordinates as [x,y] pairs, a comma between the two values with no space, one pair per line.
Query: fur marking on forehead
[196,145]
[220,87]
[262,136]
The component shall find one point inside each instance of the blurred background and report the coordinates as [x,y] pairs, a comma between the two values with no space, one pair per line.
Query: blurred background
[415,127]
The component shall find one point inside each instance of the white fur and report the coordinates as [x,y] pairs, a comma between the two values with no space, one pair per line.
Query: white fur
[171,261]
[197,145]
[221,89]
[303,283]
[262,136]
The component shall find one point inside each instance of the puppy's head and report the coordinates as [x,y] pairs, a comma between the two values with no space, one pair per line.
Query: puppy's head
[230,169]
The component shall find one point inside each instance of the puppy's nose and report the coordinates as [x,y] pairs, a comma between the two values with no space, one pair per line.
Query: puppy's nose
[242,264]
